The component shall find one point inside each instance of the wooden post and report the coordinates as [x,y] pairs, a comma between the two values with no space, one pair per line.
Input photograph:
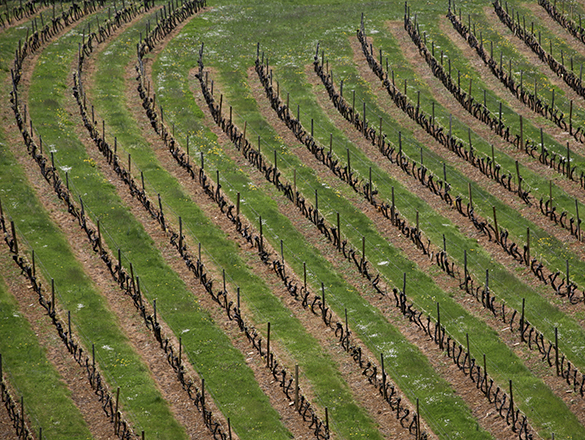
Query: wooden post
[364,117]
[160,208]
[496,225]
[223,279]
[129,163]
[380,134]
[465,267]
[470,196]
[180,350]
[512,403]
[330,143]
[154,310]
[557,350]
[521,132]
[297,387]
[52,295]
[116,416]
[238,205]
[528,246]
[571,117]
[348,164]
[346,323]
[568,279]
[268,347]
[484,369]
[142,179]
[568,161]
[417,225]
[553,99]
[393,207]
[14,236]
[238,299]
[578,220]
[22,415]
[295,186]
[418,419]
[519,177]
[363,248]
[261,235]
[181,233]
[384,392]
[34,266]
[316,203]
[229,429]
[439,325]
[338,232]
[323,313]
[305,275]
[326,419]
[203,393]
[522,320]
[468,351]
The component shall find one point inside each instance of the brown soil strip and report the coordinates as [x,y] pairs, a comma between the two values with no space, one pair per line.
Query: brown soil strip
[531,213]
[466,169]
[558,31]
[537,367]
[81,392]
[15,23]
[531,358]
[362,391]
[130,322]
[264,378]
[443,365]
[496,86]
[7,431]
[446,100]
[492,20]
[71,373]
[145,344]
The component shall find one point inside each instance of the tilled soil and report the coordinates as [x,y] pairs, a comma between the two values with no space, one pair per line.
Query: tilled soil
[495,425]
[531,213]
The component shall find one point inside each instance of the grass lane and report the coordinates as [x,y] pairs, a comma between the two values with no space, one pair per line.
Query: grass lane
[349,418]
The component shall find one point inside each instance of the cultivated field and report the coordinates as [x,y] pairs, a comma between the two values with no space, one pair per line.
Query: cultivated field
[300,219]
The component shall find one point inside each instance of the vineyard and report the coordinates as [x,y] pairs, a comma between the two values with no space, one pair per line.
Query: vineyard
[312,220]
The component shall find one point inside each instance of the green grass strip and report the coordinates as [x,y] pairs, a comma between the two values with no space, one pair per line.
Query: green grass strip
[349,419]
[504,364]
[224,369]
[91,319]
[551,251]
[47,400]
[505,284]
[438,402]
